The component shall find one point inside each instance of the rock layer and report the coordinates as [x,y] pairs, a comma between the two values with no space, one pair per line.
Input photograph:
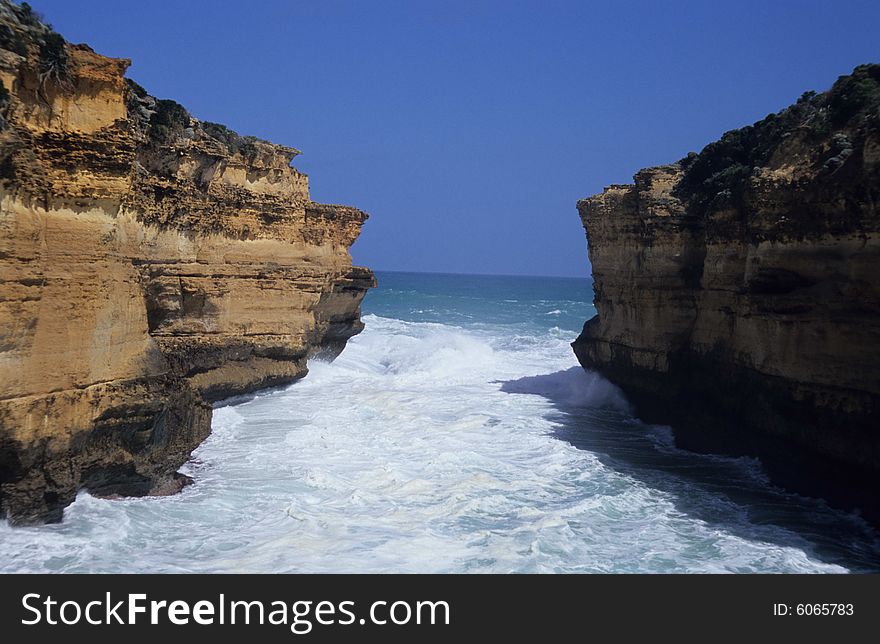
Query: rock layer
[150,263]
[738,292]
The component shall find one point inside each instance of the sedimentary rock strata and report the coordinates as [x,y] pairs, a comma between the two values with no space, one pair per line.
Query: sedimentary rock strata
[150,263]
[738,290]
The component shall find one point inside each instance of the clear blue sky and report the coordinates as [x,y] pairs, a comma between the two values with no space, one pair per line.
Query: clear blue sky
[469,129]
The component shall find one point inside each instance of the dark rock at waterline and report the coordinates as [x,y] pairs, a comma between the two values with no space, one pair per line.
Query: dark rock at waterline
[152,263]
[738,293]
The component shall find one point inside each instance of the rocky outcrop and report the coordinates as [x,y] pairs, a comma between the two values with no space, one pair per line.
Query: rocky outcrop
[738,292]
[150,263]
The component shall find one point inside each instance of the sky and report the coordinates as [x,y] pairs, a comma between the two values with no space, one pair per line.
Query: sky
[468,129]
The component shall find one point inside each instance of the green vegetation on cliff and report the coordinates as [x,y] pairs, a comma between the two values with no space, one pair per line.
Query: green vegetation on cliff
[245,145]
[832,121]
[168,121]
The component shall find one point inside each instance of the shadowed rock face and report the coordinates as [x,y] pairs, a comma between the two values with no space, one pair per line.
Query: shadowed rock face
[738,292]
[149,263]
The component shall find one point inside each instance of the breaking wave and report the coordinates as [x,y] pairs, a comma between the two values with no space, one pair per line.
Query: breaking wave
[427,447]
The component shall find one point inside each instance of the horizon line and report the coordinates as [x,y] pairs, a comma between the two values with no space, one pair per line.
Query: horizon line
[566,277]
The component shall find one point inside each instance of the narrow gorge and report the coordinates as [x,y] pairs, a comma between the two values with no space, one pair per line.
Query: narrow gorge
[738,292]
[150,264]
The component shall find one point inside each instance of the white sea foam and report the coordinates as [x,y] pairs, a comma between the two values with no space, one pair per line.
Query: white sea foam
[426,448]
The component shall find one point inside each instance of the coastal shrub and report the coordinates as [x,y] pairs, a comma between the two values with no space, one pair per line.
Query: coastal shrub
[168,121]
[136,103]
[136,89]
[235,143]
[27,16]
[247,146]
[219,132]
[11,40]
[53,58]
[854,95]
[723,168]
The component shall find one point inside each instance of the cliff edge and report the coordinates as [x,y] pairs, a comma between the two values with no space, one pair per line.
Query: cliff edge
[150,263]
[738,292]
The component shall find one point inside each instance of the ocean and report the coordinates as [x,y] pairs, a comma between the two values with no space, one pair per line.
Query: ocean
[455,434]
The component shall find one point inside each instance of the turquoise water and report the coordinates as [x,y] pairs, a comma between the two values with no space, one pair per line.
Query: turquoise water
[455,434]
[532,304]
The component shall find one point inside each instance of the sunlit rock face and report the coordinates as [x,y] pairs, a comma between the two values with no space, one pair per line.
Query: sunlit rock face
[149,263]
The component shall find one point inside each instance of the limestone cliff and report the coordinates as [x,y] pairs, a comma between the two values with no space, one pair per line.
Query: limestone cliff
[738,292]
[149,263]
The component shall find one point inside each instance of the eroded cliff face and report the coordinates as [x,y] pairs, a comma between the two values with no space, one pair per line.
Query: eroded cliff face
[150,263]
[738,291]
